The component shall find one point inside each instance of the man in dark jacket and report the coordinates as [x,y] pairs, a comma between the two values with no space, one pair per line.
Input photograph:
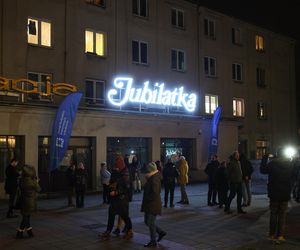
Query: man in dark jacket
[151,204]
[11,184]
[211,170]
[247,171]
[70,175]
[169,176]
[281,172]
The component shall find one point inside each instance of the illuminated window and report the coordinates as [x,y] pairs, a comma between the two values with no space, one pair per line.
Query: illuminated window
[97,2]
[140,8]
[178,59]
[177,18]
[261,148]
[209,28]
[261,110]
[260,77]
[236,36]
[238,107]
[237,72]
[211,103]
[39,32]
[139,52]
[259,43]
[95,92]
[95,42]
[210,68]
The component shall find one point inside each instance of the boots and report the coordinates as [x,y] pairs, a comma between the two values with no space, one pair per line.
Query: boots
[128,235]
[29,232]
[19,234]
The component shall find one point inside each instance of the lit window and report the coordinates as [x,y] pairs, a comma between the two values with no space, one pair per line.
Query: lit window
[237,72]
[209,28]
[97,2]
[140,8]
[260,77]
[211,103]
[95,92]
[177,18]
[95,42]
[236,36]
[178,59]
[39,32]
[139,52]
[210,68]
[259,43]
[238,107]
[261,148]
[261,110]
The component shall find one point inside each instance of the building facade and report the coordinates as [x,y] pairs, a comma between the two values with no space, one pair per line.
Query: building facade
[178,61]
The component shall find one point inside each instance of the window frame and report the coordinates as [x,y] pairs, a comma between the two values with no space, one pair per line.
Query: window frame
[40,96]
[208,105]
[262,106]
[140,52]
[209,74]
[177,51]
[138,7]
[234,36]
[261,81]
[234,70]
[39,22]
[95,42]
[176,25]
[94,99]
[235,100]
[207,30]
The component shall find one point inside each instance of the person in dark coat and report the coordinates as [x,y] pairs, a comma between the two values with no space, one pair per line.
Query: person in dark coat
[210,170]
[281,172]
[29,187]
[119,189]
[70,175]
[169,179]
[81,176]
[222,185]
[11,183]
[151,204]
[247,171]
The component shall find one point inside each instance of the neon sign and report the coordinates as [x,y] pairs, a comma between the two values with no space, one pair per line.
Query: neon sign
[124,92]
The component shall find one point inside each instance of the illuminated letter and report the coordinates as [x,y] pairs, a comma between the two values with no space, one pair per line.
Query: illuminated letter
[63,89]
[4,84]
[114,95]
[166,99]
[25,83]
[146,94]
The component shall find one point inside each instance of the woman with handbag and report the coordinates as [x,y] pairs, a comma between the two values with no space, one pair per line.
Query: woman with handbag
[29,187]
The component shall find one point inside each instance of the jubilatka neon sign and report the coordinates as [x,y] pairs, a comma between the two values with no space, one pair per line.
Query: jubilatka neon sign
[157,96]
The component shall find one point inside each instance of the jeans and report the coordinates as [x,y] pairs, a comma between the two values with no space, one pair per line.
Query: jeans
[169,188]
[212,192]
[184,197]
[25,223]
[235,189]
[247,192]
[149,220]
[79,199]
[278,211]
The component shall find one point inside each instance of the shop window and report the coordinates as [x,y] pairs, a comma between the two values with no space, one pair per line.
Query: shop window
[140,8]
[177,18]
[100,3]
[238,107]
[236,36]
[178,59]
[259,43]
[10,147]
[95,43]
[209,28]
[39,32]
[139,52]
[261,110]
[42,79]
[211,103]
[237,72]
[210,66]
[260,77]
[261,148]
[95,92]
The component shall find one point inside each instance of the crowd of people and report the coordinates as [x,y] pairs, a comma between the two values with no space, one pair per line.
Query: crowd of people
[226,180]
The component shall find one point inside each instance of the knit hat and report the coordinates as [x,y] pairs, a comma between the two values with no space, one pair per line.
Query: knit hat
[151,167]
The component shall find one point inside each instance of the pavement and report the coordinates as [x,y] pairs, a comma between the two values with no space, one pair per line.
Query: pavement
[188,227]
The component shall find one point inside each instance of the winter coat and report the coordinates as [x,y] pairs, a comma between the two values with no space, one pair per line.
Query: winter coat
[134,168]
[151,203]
[183,168]
[29,188]
[211,169]
[169,174]
[81,176]
[281,175]
[221,179]
[234,171]
[246,166]
[11,181]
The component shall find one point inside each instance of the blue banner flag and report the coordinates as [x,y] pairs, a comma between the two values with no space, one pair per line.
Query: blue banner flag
[213,141]
[62,128]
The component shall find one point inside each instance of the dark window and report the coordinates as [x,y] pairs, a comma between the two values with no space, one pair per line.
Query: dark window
[177,60]
[95,92]
[260,77]
[209,28]
[177,18]
[139,52]
[140,8]
[237,71]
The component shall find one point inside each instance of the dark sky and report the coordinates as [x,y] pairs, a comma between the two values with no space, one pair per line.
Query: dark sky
[277,15]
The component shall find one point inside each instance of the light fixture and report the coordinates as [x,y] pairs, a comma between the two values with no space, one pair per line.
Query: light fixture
[289,152]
